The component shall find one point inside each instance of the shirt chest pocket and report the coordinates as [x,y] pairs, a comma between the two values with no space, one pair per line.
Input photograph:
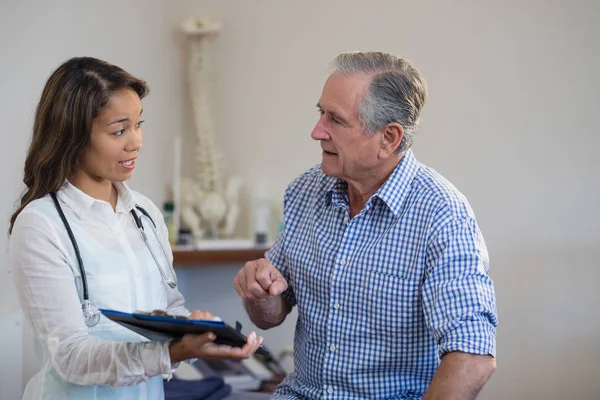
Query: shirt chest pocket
[390,305]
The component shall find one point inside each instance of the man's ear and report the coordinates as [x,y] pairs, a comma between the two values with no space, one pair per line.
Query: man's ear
[390,139]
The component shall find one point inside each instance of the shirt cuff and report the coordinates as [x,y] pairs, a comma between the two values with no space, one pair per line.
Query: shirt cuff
[166,367]
[473,345]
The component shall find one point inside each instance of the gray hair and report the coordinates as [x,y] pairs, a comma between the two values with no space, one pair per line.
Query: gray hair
[397,92]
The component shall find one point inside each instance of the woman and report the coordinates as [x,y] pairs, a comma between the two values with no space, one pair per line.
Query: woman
[86,138]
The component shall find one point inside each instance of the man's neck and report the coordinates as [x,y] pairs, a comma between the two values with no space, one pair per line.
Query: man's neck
[360,191]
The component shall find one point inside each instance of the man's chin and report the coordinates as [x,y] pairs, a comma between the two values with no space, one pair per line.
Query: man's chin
[329,171]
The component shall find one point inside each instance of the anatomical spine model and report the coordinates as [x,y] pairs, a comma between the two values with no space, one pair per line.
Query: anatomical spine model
[209,206]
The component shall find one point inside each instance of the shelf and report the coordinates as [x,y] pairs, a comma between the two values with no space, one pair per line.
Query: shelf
[206,257]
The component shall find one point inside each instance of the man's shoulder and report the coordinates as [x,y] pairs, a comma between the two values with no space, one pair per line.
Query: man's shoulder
[439,193]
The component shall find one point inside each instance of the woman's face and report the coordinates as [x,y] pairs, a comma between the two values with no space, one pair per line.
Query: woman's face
[115,140]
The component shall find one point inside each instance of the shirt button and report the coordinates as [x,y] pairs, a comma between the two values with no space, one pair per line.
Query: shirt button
[342,262]
[336,306]
[330,390]
[332,348]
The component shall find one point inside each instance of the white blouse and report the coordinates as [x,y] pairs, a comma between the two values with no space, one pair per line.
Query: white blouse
[111,361]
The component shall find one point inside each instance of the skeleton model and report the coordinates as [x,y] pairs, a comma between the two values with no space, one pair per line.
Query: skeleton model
[209,205]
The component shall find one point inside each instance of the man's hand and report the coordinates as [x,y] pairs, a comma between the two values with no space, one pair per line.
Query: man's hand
[258,280]
[260,285]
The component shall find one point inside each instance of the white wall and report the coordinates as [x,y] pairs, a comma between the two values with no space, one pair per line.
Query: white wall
[36,36]
[511,120]
[11,377]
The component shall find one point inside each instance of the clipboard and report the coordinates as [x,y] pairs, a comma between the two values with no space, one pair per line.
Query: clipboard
[159,327]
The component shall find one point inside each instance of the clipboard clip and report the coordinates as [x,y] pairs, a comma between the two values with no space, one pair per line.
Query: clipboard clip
[238,327]
[161,313]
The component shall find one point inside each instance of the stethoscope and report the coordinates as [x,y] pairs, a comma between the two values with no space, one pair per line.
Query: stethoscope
[91,314]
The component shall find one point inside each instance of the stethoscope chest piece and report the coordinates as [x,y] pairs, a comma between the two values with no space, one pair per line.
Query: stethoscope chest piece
[91,314]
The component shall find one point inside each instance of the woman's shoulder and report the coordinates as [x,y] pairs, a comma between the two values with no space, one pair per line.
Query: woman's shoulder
[147,204]
[37,216]
[42,207]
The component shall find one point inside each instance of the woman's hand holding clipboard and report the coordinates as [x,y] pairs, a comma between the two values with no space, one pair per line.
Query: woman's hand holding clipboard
[200,335]
[202,345]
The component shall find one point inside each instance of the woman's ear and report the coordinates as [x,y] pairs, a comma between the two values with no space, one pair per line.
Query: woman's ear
[391,138]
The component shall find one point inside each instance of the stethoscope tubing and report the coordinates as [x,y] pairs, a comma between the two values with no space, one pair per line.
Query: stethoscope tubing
[171,281]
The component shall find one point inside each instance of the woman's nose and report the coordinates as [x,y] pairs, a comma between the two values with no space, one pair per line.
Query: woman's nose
[136,141]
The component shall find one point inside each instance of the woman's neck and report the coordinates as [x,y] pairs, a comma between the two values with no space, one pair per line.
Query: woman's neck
[100,190]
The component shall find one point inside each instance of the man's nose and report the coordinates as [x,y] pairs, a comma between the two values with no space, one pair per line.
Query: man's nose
[319,132]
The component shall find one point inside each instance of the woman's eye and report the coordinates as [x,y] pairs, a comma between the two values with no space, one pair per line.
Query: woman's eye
[139,123]
[119,133]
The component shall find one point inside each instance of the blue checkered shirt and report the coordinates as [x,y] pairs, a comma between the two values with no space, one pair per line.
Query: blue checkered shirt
[383,296]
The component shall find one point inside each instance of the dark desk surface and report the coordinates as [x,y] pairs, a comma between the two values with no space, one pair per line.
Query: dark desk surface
[203,258]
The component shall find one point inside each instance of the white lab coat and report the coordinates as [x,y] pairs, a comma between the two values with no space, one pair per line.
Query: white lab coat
[106,361]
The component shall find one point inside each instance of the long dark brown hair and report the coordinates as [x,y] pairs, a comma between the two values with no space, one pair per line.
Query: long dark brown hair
[73,96]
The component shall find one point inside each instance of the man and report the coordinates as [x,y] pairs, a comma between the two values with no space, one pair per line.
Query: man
[381,255]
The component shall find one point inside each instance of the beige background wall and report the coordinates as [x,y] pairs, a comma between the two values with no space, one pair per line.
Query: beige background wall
[511,121]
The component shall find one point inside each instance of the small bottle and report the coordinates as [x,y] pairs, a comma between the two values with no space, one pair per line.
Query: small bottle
[185,237]
[261,214]
[169,215]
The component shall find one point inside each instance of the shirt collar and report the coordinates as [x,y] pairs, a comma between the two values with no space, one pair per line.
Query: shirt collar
[81,203]
[336,190]
[392,192]
[396,188]
[125,201]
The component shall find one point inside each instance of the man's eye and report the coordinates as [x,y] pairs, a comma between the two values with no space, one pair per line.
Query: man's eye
[334,119]
[139,123]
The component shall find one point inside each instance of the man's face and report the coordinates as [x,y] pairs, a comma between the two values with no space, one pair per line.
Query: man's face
[348,153]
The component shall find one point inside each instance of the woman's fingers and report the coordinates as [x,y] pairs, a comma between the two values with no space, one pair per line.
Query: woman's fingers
[201,346]
[197,314]
[198,341]
[224,352]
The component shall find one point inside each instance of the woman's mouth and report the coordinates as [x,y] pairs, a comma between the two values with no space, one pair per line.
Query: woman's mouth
[128,164]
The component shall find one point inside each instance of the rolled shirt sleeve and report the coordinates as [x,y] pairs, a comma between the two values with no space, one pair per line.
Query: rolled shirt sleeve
[458,294]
